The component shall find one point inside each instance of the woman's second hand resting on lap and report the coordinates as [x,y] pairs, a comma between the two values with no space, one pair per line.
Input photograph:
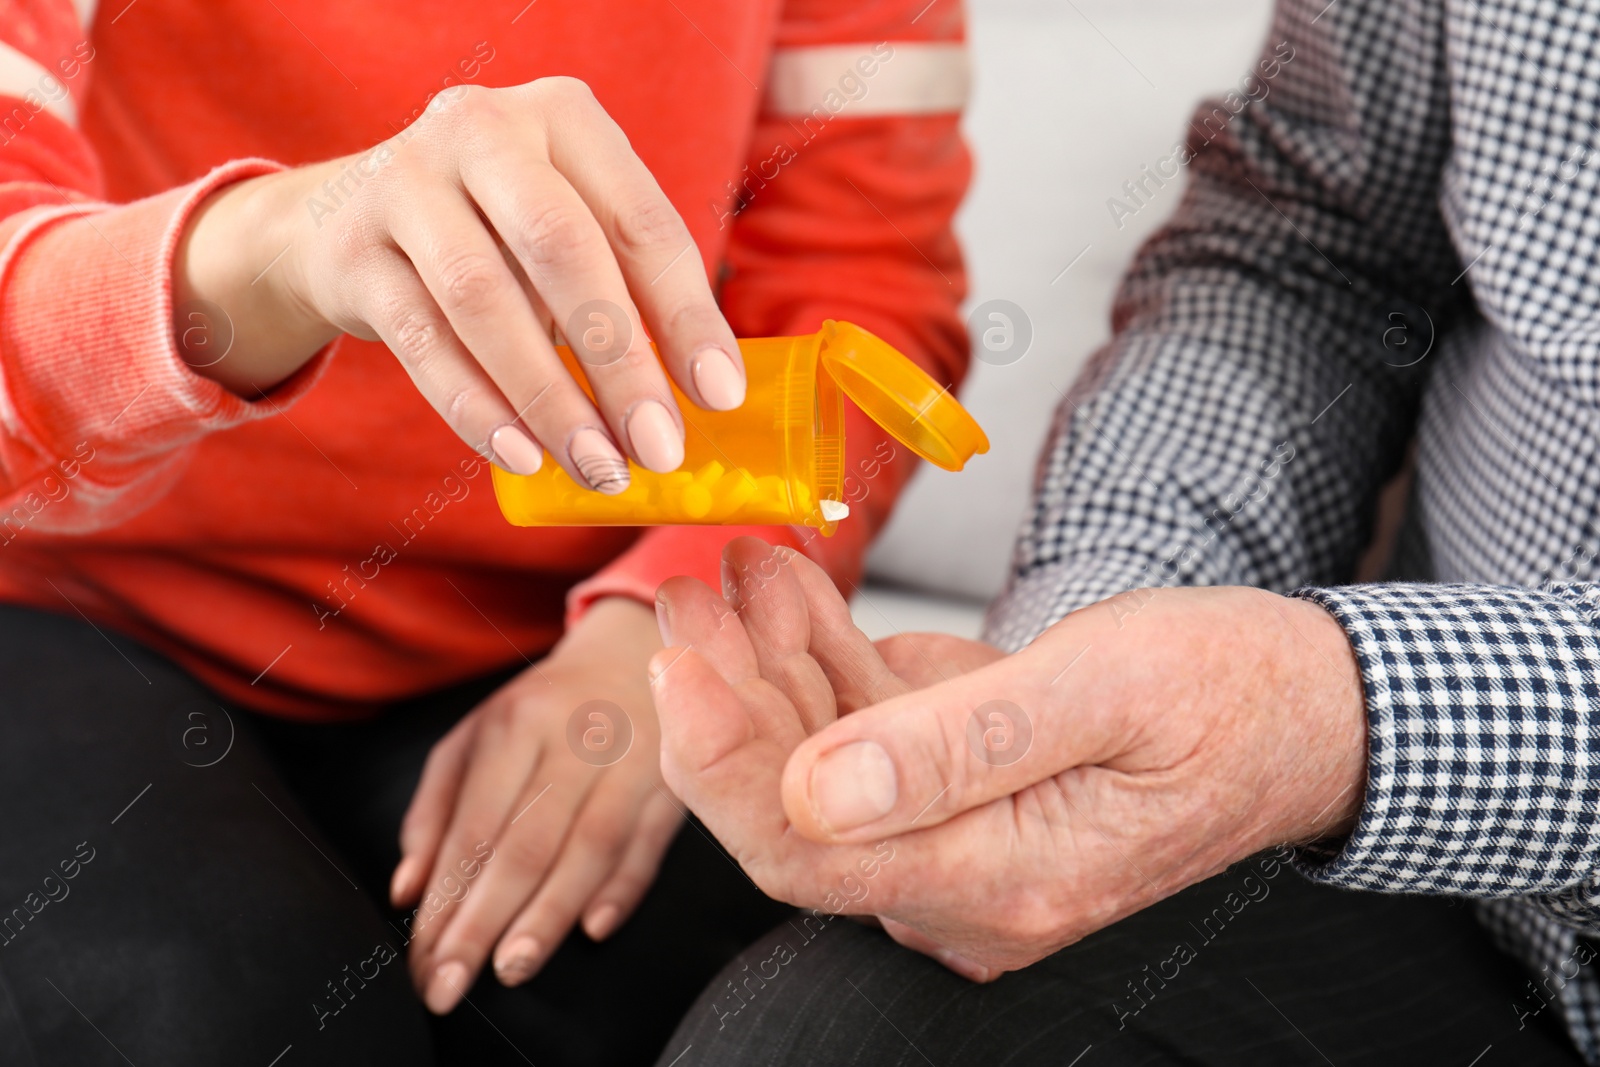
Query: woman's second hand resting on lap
[570,839]
[496,214]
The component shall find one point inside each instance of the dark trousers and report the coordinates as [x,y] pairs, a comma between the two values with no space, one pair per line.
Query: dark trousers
[183,884]
[1256,966]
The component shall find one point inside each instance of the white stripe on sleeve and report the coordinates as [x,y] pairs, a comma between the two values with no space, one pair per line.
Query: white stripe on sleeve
[888,78]
[40,89]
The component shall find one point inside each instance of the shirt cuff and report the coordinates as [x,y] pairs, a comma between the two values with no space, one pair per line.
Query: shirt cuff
[664,552]
[1483,767]
[87,343]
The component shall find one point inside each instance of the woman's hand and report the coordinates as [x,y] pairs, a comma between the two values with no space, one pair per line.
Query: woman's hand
[577,825]
[1020,802]
[459,243]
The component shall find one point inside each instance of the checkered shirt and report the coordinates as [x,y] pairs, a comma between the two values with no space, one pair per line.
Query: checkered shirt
[1395,243]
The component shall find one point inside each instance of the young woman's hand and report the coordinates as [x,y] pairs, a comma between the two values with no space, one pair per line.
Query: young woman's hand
[558,772]
[460,242]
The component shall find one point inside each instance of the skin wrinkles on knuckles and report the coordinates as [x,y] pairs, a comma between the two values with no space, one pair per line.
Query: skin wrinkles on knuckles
[1191,769]
[340,268]
[467,140]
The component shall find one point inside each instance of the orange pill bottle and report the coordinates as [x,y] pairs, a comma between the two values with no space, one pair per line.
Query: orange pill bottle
[777,459]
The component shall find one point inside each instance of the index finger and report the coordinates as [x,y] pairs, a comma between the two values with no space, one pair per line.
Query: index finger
[729,776]
[429,813]
[693,617]
[713,757]
[657,254]
[802,632]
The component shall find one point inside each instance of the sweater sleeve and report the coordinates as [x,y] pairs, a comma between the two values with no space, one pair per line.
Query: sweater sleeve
[844,210]
[89,363]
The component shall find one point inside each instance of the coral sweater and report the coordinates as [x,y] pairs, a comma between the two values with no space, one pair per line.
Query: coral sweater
[330,547]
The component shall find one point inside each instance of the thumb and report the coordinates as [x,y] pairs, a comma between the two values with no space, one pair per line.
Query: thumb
[916,760]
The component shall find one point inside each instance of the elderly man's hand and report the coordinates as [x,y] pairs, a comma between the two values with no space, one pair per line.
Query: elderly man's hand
[991,809]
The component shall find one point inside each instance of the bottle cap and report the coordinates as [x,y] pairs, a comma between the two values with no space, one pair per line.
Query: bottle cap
[900,396]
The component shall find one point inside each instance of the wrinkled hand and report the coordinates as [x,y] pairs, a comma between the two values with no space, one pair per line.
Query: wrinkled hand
[997,815]
[511,835]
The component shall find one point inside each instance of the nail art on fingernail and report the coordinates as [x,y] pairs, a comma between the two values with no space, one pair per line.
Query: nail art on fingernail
[598,461]
[517,962]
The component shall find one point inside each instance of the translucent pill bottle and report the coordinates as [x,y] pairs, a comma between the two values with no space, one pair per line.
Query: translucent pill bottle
[778,459]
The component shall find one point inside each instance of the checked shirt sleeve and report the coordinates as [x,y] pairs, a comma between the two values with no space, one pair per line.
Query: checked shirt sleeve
[1238,427]
[1484,763]
[1483,775]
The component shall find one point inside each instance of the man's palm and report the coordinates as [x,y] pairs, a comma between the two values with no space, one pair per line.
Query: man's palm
[776,659]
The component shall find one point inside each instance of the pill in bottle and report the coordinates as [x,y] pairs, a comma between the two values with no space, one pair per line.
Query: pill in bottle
[778,458]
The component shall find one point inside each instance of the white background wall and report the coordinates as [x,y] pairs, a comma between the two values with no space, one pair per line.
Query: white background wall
[1071,98]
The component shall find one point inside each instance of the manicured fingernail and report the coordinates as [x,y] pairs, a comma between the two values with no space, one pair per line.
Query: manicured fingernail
[664,621]
[516,450]
[719,381]
[400,885]
[655,437]
[601,465]
[853,785]
[449,985]
[516,962]
[599,923]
